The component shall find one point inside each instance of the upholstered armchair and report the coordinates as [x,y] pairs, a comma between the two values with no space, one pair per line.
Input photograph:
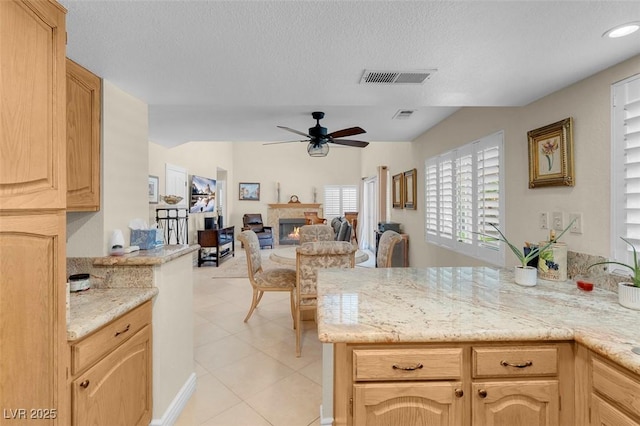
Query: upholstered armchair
[253,222]
[388,241]
[311,233]
[309,258]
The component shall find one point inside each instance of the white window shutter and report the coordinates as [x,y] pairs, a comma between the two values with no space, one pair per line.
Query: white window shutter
[625,168]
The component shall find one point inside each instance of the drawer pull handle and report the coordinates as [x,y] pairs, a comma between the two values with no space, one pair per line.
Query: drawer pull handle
[482,393]
[521,365]
[123,331]
[459,393]
[418,366]
[85,384]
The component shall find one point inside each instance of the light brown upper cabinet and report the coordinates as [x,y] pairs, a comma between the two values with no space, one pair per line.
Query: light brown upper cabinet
[83,138]
[32,154]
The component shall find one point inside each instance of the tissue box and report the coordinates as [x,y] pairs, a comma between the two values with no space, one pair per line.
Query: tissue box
[146,238]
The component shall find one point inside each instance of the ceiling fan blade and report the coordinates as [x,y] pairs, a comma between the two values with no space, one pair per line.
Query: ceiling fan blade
[277,142]
[349,142]
[294,131]
[351,131]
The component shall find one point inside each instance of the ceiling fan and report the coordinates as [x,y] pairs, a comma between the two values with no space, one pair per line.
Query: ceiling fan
[319,139]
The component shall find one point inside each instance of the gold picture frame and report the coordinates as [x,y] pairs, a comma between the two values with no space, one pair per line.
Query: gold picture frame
[398,191]
[551,155]
[410,189]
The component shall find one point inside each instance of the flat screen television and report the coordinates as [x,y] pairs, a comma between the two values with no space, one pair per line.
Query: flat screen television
[203,194]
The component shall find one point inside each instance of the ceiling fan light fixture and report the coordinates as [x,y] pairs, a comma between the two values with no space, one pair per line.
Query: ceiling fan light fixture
[317,150]
[622,30]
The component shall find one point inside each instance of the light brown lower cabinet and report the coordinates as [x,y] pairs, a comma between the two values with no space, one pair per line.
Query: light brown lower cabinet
[456,385]
[531,403]
[419,404]
[615,394]
[113,365]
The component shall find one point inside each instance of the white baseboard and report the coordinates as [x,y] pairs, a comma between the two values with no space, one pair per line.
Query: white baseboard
[325,421]
[174,409]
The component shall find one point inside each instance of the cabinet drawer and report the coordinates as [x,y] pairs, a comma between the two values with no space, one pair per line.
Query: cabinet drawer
[515,361]
[407,364]
[616,386]
[93,347]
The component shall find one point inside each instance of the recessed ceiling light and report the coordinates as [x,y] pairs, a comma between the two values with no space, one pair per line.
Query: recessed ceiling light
[622,30]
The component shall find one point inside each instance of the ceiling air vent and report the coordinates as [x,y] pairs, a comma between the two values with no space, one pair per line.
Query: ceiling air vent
[395,77]
[403,114]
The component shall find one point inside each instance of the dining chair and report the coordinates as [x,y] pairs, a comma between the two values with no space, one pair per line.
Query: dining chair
[387,242]
[309,258]
[276,279]
[318,232]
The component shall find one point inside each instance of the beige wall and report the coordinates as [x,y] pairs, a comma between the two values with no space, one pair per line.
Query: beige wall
[125,164]
[588,102]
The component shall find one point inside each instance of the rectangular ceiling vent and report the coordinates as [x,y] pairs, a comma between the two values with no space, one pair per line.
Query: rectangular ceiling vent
[403,114]
[396,77]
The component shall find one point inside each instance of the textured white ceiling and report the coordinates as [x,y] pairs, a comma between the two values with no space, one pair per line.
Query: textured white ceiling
[233,70]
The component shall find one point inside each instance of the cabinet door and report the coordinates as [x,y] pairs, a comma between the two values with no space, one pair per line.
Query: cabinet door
[414,404]
[83,138]
[604,414]
[117,390]
[32,108]
[531,403]
[33,316]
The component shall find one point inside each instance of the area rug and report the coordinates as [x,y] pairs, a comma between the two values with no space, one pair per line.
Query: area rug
[236,267]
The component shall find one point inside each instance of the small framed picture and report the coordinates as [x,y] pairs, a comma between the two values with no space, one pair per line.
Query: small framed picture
[551,155]
[410,190]
[153,189]
[398,191]
[249,191]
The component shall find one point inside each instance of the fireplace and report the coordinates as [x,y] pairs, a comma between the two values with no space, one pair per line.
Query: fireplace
[288,230]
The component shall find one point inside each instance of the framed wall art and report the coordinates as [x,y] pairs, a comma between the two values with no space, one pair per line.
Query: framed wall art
[551,155]
[153,189]
[398,191]
[410,190]
[249,191]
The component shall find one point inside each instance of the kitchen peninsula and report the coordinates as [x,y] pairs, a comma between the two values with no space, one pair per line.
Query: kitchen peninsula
[148,286]
[467,346]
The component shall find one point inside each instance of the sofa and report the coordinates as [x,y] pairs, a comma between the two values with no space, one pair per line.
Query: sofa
[342,228]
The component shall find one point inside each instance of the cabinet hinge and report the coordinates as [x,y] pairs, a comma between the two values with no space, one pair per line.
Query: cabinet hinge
[351,406]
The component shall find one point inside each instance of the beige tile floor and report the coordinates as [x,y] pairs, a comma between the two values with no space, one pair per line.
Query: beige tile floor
[247,373]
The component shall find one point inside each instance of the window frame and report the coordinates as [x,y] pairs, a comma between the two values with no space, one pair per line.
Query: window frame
[446,184]
[328,208]
[623,94]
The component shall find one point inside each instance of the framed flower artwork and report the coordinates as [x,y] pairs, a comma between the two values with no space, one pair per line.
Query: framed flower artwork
[398,191]
[551,155]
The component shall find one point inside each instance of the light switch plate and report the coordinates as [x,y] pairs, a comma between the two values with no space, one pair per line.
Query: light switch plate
[543,219]
[576,227]
[557,222]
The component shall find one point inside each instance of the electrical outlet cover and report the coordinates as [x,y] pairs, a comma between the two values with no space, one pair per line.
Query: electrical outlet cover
[557,221]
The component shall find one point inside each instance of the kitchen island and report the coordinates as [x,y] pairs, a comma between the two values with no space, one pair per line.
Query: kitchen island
[442,335]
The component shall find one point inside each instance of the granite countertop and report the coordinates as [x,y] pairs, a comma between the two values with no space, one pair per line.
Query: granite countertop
[155,256]
[93,308]
[464,304]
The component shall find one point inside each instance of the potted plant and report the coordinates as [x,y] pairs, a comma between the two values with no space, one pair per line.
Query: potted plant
[628,292]
[525,275]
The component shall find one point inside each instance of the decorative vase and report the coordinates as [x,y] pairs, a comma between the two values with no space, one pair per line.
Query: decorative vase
[629,295]
[526,275]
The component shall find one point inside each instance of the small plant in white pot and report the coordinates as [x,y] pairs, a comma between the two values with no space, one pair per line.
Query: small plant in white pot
[628,291]
[525,275]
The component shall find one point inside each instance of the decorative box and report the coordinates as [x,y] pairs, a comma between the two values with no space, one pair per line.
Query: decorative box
[147,238]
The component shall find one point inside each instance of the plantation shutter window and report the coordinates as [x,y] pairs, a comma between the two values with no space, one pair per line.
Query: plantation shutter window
[463,198]
[625,168]
[339,199]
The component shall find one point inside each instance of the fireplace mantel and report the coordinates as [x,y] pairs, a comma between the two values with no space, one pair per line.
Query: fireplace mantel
[289,211]
[294,206]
